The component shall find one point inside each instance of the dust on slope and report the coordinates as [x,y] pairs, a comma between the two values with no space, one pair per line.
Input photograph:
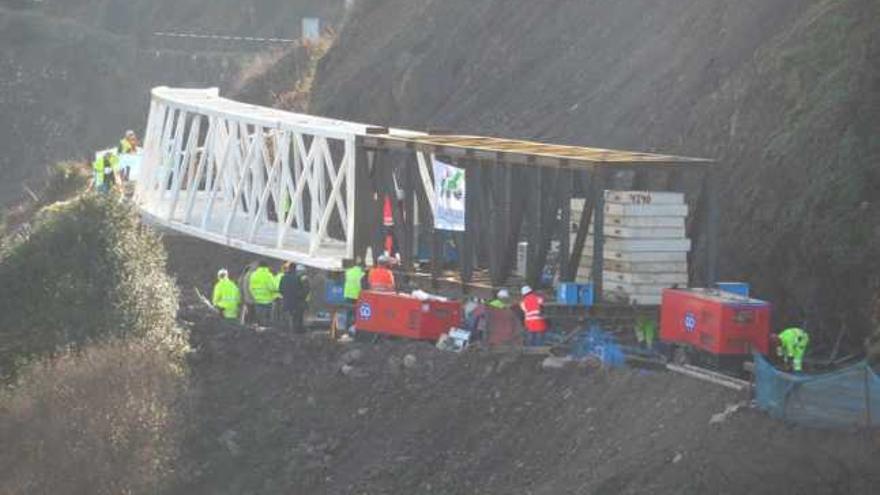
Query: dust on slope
[277,415]
[782,92]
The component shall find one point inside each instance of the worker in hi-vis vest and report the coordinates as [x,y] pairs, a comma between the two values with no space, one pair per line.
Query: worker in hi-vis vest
[354,277]
[106,172]
[533,319]
[226,297]
[381,278]
[264,291]
[793,343]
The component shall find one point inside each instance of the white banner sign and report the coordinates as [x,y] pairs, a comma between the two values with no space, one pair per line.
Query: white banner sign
[449,189]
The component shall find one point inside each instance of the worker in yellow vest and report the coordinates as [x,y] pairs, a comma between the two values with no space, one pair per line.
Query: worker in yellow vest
[354,277]
[226,297]
[106,172]
[264,292]
[793,343]
[129,143]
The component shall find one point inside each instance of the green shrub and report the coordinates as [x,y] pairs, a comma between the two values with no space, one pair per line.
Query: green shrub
[88,271]
[65,180]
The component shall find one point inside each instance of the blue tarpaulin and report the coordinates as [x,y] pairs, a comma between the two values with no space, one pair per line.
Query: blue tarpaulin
[844,398]
[601,344]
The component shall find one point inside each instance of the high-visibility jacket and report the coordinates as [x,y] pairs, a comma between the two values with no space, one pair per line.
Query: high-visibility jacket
[794,341]
[531,307]
[497,304]
[105,167]
[262,285]
[125,146]
[381,279]
[227,297]
[353,277]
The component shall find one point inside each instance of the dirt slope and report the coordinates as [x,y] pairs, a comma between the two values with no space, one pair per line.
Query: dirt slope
[783,92]
[275,414]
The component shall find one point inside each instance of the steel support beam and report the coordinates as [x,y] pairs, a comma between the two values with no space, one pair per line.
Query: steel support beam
[598,234]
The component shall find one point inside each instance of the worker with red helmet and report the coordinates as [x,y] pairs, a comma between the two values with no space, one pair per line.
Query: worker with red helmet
[532,307]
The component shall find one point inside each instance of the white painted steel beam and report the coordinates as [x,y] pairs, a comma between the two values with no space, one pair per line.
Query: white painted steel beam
[258,179]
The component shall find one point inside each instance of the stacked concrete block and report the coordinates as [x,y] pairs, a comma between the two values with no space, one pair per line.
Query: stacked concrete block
[646,245]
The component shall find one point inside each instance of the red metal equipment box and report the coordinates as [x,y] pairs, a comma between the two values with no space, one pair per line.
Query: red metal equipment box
[402,315]
[720,323]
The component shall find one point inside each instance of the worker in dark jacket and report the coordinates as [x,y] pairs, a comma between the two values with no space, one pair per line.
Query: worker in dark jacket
[295,290]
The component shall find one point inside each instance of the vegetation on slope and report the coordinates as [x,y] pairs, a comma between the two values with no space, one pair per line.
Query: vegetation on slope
[267,81]
[87,272]
[90,354]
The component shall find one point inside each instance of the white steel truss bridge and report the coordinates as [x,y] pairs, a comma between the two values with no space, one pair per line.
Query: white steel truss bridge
[274,183]
[310,189]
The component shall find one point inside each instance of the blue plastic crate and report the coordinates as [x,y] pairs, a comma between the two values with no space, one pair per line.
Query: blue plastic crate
[740,288]
[585,294]
[334,293]
[567,293]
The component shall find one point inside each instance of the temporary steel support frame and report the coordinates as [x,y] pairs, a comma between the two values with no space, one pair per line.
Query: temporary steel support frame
[513,191]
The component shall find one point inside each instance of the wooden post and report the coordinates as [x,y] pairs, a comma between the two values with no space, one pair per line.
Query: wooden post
[598,232]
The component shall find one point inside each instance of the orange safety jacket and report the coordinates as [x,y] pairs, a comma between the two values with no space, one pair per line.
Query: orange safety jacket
[531,306]
[381,278]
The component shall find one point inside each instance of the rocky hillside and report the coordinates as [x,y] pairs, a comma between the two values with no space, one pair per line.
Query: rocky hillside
[784,93]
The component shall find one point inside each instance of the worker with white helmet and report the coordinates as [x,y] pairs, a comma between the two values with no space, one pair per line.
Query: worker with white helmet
[128,145]
[381,278]
[226,297]
[532,306]
[501,300]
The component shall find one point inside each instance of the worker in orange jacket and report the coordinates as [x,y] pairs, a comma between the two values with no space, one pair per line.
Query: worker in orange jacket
[381,278]
[536,326]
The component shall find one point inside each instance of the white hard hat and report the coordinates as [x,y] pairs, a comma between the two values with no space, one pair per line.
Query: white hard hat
[129,133]
[503,294]
[525,290]
[222,273]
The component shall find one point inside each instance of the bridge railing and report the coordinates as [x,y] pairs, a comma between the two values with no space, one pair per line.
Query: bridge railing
[270,182]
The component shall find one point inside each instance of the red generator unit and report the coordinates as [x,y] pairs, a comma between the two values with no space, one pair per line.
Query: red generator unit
[401,315]
[718,328]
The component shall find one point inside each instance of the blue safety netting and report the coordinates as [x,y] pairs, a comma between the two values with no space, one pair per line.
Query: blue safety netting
[598,343]
[844,398]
